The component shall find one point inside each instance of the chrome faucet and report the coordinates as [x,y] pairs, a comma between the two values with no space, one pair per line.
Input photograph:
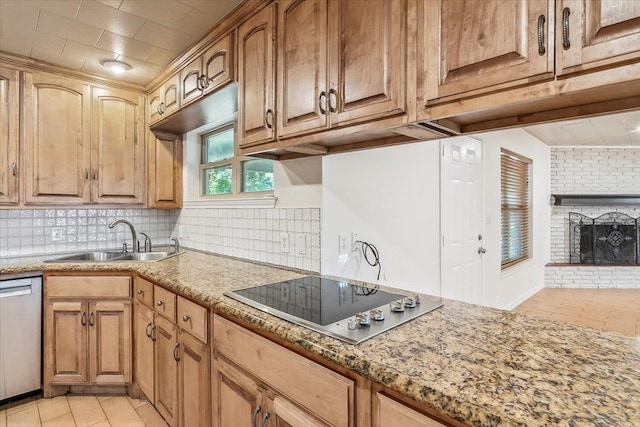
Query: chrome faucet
[147,242]
[134,235]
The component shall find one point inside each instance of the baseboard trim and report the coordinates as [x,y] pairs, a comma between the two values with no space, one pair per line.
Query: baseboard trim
[524,297]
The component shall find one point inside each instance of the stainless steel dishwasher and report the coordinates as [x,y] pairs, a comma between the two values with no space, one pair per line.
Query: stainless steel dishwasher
[20,335]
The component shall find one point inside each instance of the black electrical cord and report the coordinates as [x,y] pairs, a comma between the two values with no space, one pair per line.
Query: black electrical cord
[370,248]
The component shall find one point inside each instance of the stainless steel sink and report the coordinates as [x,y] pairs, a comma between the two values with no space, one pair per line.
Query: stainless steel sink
[109,256]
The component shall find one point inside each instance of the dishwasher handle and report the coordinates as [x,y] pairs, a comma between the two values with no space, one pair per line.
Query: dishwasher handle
[14,291]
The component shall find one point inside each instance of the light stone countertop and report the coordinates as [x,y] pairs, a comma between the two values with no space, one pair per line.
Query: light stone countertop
[484,366]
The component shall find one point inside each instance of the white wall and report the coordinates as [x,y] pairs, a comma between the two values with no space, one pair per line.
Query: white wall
[390,197]
[506,289]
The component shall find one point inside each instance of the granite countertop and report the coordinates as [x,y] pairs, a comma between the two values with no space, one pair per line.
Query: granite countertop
[484,366]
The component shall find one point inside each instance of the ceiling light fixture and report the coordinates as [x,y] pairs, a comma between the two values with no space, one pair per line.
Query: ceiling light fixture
[118,67]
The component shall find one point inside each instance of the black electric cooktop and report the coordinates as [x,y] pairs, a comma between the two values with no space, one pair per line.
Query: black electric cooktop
[341,309]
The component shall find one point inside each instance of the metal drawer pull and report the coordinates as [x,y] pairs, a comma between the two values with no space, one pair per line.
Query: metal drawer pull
[264,419]
[255,414]
[566,44]
[83,319]
[91,319]
[147,331]
[153,333]
[333,95]
[185,318]
[140,292]
[541,48]
[86,173]
[95,174]
[14,169]
[160,303]
[268,119]
[176,348]
[322,101]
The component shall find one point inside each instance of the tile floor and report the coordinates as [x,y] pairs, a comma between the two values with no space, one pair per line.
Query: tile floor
[83,411]
[616,310]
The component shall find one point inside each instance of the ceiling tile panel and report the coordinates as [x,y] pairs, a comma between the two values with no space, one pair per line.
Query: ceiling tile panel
[66,8]
[112,3]
[19,14]
[68,28]
[87,53]
[19,47]
[63,61]
[108,18]
[169,13]
[161,56]
[124,46]
[196,23]
[218,7]
[164,37]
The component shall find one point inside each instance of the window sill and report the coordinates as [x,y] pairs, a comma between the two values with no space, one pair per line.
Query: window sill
[241,202]
[516,268]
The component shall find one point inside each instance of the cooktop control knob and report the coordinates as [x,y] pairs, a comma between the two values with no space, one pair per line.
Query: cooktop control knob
[376,315]
[363,319]
[417,299]
[396,306]
[351,324]
[409,302]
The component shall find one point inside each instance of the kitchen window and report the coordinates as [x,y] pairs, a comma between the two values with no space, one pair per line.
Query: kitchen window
[224,173]
[515,215]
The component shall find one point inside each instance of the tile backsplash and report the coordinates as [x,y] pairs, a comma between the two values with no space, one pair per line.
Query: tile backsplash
[45,231]
[254,234]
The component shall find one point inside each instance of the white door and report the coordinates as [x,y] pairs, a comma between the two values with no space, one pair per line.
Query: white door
[461,219]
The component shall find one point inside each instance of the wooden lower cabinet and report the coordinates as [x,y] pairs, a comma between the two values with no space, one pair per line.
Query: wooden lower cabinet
[166,374]
[87,335]
[237,399]
[144,333]
[388,412]
[194,381]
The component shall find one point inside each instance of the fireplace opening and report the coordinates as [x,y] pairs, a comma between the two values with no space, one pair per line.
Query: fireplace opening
[612,238]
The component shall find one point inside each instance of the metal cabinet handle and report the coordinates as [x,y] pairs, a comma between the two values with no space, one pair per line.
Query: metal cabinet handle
[147,331]
[198,83]
[95,174]
[91,319]
[159,303]
[541,48]
[566,44]
[185,318]
[176,348]
[333,105]
[264,419]
[86,173]
[14,169]
[153,333]
[255,414]
[83,319]
[322,102]
[205,82]
[140,292]
[268,118]
[161,108]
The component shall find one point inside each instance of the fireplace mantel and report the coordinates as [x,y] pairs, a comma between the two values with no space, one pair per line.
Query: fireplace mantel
[596,199]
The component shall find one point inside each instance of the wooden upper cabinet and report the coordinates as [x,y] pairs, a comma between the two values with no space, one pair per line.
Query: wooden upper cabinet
[208,72]
[477,46]
[256,78]
[596,33]
[57,138]
[9,116]
[164,100]
[164,177]
[368,43]
[302,66]
[117,155]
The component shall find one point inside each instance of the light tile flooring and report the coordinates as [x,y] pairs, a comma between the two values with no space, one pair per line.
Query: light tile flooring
[83,411]
[616,310]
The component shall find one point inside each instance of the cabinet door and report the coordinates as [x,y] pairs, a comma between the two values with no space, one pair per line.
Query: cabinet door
[171,96]
[166,374]
[600,33]
[194,382]
[66,343]
[154,100]
[388,413]
[190,81]
[371,85]
[110,342]
[8,136]
[217,64]
[284,413]
[117,155]
[237,399]
[57,118]
[302,66]
[485,45]
[256,83]
[164,179]
[144,351]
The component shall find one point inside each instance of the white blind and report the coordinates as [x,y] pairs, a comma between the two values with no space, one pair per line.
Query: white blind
[515,218]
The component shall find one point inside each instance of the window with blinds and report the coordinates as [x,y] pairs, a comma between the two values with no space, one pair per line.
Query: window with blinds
[515,216]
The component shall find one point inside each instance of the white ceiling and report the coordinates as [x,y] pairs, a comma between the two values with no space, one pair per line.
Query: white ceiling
[622,129]
[79,34]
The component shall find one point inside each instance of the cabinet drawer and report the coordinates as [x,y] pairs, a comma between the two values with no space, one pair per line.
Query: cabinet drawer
[326,394]
[143,291]
[192,318]
[88,286]
[165,302]
[388,412]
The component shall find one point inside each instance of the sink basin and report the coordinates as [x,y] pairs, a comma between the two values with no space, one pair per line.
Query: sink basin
[115,257]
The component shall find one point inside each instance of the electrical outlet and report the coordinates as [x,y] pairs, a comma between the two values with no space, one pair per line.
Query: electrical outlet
[284,243]
[56,234]
[343,245]
[301,244]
